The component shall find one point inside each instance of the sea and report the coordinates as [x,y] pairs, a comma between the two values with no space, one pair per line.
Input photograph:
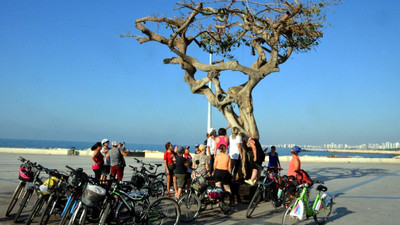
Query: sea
[79,145]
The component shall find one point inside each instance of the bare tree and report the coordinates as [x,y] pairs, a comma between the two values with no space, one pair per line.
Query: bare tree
[271,30]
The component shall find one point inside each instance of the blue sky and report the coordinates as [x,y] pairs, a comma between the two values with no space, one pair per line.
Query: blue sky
[65,74]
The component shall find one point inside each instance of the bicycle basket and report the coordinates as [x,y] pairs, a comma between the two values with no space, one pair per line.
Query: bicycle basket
[214,193]
[137,181]
[76,179]
[93,194]
[25,173]
[49,185]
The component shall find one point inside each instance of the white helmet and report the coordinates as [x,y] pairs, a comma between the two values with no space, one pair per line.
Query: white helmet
[104,141]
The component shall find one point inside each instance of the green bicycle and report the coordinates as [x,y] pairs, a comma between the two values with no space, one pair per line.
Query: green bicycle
[320,210]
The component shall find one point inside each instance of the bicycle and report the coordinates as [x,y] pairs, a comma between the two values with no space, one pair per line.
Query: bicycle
[320,210]
[144,178]
[33,188]
[25,176]
[263,191]
[125,207]
[45,190]
[200,195]
[153,175]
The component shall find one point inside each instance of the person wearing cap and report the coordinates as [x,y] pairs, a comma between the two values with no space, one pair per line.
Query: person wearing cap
[196,149]
[98,160]
[116,158]
[104,151]
[294,163]
[181,170]
[211,133]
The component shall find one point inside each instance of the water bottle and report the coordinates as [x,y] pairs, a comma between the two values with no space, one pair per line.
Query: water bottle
[279,193]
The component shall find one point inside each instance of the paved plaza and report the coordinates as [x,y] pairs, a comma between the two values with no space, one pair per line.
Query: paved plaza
[365,193]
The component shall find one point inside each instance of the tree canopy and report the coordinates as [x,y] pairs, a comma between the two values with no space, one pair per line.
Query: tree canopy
[270,30]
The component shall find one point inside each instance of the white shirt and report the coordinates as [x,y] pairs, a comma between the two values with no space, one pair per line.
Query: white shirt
[233,146]
[211,144]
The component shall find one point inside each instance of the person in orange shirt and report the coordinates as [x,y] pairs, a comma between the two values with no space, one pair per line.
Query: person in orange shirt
[294,163]
[222,166]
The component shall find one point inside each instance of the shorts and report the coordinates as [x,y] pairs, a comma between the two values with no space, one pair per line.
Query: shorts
[181,178]
[171,168]
[106,169]
[255,165]
[222,176]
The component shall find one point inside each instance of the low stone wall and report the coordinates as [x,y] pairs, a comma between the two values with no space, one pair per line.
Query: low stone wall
[160,155]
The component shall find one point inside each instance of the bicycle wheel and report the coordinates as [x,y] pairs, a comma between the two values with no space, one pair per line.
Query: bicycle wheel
[17,194]
[24,201]
[190,206]
[158,189]
[321,215]
[78,217]
[36,208]
[163,211]
[48,210]
[105,213]
[254,202]
[225,202]
[288,219]
[67,211]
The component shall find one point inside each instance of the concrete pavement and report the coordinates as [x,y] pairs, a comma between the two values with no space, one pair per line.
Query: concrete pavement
[365,193]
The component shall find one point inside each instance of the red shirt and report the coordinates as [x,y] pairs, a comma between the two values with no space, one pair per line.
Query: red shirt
[168,156]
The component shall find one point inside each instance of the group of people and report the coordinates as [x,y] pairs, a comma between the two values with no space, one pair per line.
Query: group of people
[109,161]
[226,158]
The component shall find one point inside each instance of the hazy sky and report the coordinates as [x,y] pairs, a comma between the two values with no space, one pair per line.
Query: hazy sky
[65,74]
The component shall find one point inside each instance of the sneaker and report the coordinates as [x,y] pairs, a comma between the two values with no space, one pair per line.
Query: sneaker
[252,183]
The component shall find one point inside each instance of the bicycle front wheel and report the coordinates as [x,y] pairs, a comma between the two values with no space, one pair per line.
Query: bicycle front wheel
[24,202]
[36,208]
[254,202]
[190,206]
[105,213]
[288,219]
[48,210]
[15,197]
[321,215]
[225,202]
[158,189]
[163,211]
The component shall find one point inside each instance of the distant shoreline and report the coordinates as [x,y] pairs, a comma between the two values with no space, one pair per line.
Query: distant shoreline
[366,151]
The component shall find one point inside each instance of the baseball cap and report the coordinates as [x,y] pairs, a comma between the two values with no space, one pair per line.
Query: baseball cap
[114,143]
[197,145]
[296,149]
[181,150]
[104,141]
[210,130]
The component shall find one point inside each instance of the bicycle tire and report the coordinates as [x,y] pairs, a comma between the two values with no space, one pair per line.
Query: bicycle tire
[163,211]
[48,210]
[190,206]
[105,214]
[254,202]
[36,208]
[14,199]
[158,189]
[225,202]
[328,208]
[78,216]
[67,211]
[24,201]
[162,177]
[288,219]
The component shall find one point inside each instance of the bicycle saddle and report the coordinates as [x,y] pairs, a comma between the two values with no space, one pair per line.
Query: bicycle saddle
[322,188]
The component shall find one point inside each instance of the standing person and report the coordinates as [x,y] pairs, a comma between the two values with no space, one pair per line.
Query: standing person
[187,156]
[294,163]
[196,149]
[181,170]
[235,150]
[200,168]
[222,165]
[98,160]
[256,160]
[222,139]
[273,158]
[169,162]
[211,147]
[104,151]
[116,158]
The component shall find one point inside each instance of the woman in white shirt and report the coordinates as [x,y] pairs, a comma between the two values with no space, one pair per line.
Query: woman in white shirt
[235,150]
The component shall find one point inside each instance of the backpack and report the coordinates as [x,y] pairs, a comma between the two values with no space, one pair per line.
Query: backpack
[303,177]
